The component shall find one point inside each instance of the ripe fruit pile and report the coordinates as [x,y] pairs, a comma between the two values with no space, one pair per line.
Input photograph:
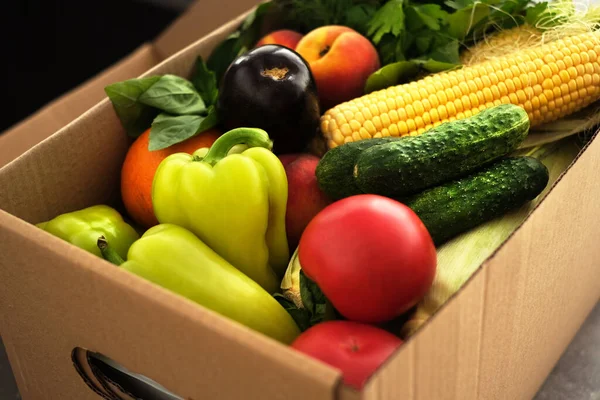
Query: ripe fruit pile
[273,188]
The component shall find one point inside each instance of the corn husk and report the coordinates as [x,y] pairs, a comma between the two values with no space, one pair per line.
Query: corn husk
[302,298]
[290,284]
[461,257]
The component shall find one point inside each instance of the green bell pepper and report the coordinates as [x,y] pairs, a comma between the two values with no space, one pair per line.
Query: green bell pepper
[235,203]
[175,259]
[82,228]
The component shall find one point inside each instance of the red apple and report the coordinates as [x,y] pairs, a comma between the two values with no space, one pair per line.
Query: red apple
[356,349]
[305,198]
[283,37]
[341,60]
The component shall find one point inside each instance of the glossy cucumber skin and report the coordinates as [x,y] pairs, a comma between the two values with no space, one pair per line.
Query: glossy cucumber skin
[443,153]
[335,169]
[460,205]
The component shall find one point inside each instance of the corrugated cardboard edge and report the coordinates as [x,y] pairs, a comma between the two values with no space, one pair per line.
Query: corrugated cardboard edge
[472,359]
[135,331]
[470,305]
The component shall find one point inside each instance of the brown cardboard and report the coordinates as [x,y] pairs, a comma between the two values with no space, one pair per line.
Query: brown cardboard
[501,335]
[199,19]
[47,311]
[496,339]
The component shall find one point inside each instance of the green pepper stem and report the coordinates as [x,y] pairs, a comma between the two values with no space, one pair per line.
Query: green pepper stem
[252,137]
[108,253]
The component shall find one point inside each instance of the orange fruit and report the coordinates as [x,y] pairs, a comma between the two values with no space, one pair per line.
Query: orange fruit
[139,167]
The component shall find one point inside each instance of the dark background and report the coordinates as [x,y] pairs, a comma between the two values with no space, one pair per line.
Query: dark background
[50,46]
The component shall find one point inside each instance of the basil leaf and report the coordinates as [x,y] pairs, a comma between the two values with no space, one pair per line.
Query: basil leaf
[168,129]
[390,75]
[205,82]
[210,120]
[173,95]
[134,116]
[436,66]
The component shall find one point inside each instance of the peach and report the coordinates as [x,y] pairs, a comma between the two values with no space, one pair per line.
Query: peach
[305,199]
[283,37]
[340,60]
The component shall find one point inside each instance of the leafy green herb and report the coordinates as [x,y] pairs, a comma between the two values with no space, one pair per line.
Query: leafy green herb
[169,129]
[430,16]
[359,16]
[315,307]
[463,20]
[135,116]
[173,95]
[239,41]
[306,15]
[390,75]
[392,49]
[540,13]
[388,19]
[314,300]
[436,66]
[224,54]
[300,315]
[445,52]
[205,82]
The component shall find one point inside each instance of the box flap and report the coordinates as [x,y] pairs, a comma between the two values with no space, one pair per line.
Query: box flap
[200,18]
[67,298]
[518,313]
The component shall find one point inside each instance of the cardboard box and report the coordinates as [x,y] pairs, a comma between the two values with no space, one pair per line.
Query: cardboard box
[498,338]
[199,19]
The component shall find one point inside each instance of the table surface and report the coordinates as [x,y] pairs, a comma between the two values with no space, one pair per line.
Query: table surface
[575,377]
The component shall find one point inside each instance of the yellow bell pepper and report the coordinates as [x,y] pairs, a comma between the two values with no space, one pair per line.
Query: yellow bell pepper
[235,203]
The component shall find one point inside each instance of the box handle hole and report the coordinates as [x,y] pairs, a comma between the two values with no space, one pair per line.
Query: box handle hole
[112,381]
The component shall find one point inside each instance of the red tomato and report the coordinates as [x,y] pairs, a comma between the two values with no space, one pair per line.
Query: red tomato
[371,256]
[356,349]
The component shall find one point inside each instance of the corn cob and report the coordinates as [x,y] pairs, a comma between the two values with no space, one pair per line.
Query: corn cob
[501,43]
[549,81]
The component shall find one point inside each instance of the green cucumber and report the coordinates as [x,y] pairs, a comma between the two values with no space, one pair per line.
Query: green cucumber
[460,205]
[334,170]
[443,153]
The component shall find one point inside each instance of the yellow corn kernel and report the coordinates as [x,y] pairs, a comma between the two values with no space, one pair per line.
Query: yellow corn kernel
[549,81]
